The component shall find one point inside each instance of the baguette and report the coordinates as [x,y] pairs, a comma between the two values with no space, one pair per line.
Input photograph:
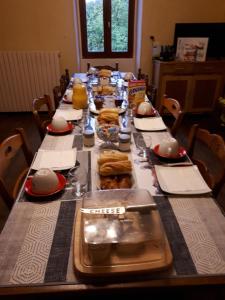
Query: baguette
[111,156]
[115,168]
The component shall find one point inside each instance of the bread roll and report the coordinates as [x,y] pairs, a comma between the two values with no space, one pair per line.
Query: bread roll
[104,73]
[115,168]
[109,110]
[111,156]
[110,118]
[108,115]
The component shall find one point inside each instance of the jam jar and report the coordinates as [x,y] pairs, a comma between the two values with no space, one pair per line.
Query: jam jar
[124,142]
[88,138]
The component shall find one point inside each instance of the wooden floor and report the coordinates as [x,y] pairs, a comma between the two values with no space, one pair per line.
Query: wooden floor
[9,121]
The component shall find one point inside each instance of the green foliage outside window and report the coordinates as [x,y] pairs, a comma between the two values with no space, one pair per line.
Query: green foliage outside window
[95,32]
[119,25]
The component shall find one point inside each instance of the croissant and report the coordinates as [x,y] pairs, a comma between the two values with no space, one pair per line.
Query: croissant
[111,156]
[115,168]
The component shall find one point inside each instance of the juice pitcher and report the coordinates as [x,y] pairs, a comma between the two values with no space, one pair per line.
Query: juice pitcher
[80,98]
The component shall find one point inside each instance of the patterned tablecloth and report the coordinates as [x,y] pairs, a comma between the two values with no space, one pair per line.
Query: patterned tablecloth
[36,244]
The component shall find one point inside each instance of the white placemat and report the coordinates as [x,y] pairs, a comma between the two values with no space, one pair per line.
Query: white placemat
[149,124]
[69,114]
[55,160]
[181,180]
[51,142]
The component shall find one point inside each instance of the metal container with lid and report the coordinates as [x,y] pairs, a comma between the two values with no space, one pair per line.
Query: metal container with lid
[124,142]
[88,138]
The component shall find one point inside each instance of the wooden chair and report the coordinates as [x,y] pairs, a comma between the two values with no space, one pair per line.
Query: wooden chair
[116,68]
[10,159]
[42,122]
[58,94]
[143,76]
[173,107]
[210,157]
[59,90]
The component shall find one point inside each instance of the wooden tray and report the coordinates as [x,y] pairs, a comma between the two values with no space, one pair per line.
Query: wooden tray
[152,256]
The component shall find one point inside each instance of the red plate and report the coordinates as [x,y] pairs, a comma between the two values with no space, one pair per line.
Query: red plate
[60,187]
[52,130]
[181,153]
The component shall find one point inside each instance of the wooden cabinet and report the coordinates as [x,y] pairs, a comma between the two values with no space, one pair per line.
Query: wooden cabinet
[196,85]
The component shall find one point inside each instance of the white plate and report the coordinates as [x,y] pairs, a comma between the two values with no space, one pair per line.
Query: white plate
[109,104]
[181,180]
[149,124]
[93,109]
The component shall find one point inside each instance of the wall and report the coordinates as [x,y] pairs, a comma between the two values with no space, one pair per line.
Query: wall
[160,16]
[48,25]
[39,25]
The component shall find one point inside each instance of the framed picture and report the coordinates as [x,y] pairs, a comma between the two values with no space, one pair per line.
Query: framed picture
[191,49]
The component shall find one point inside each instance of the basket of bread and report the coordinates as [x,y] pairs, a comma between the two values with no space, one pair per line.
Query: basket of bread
[115,170]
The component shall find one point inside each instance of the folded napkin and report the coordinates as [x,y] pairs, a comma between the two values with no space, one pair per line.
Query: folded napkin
[181,180]
[55,160]
[149,124]
[69,114]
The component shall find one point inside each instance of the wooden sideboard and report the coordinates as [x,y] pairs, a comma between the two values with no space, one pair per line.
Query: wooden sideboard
[196,85]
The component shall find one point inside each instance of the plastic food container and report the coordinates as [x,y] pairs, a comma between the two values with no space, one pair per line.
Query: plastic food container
[118,227]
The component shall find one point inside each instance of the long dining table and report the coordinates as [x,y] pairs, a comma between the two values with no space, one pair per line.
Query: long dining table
[37,242]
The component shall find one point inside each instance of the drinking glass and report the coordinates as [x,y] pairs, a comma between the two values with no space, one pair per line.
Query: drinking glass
[143,144]
[132,108]
[78,180]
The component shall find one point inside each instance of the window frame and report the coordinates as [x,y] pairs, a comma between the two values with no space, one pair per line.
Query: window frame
[107,32]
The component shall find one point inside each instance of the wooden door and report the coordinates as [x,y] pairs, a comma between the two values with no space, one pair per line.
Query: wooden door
[177,87]
[206,89]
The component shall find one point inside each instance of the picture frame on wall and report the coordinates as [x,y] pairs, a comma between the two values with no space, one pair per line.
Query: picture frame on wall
[191,49]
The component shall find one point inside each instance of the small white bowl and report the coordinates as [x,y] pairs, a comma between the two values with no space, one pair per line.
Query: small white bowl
[77,80]
[59,123]
[44,181]
[169,147]
[128,76]
[144,108]
[69,95]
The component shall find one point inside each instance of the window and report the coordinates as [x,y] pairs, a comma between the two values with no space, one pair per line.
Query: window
[107,28]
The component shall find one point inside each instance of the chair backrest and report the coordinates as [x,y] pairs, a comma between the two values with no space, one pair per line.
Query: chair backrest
[38,104]
[57,93]
[116,68]
[173,107]
[59,90]
[211,156]
[10,150]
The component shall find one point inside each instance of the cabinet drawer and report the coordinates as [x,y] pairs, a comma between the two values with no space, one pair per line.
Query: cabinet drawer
[209,68]
[178,68]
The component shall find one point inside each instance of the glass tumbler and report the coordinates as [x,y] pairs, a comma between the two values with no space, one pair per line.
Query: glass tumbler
[143,144]
[78,180]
